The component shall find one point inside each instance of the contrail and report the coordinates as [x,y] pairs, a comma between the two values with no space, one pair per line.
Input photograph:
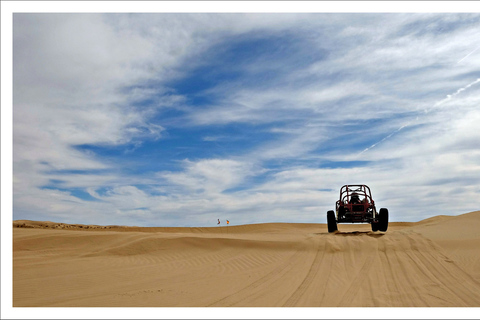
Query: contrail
[467,55]
[449,97]
[387,137]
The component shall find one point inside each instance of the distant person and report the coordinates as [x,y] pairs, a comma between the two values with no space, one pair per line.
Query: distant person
[218,221]
[228,222]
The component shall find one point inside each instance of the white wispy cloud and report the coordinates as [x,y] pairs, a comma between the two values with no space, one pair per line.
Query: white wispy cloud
[436,105]
[210,175]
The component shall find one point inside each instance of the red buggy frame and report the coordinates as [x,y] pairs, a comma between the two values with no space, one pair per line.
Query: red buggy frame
[356,205]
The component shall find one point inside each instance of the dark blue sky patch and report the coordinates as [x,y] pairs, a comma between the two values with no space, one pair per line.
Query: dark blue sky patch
[102,191]
[79,193]
[167,154]
[344,164]
[239,188]
[55,182]
[247,60]
[259,47]
[252,182]
[78,172]
[105,151]
[151,189]
[196,85]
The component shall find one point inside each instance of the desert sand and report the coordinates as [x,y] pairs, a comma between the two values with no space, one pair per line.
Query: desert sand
[431,263]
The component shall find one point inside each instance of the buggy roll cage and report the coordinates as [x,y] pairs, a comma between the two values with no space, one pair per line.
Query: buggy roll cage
[361,190]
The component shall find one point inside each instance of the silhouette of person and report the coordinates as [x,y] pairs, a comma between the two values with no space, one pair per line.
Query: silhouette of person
[355,198]
[218,221]
[228,222]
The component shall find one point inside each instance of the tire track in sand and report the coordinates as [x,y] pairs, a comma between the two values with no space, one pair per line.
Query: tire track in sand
[359,281]
[253,288]
[454,287]
[307,280]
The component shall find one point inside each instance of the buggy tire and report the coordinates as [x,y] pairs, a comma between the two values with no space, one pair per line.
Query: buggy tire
[374,226]
[383,220]
[331,222]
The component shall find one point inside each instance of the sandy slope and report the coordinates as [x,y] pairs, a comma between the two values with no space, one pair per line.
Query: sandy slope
[430,263]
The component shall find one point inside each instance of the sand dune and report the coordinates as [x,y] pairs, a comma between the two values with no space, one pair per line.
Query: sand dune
[432,263]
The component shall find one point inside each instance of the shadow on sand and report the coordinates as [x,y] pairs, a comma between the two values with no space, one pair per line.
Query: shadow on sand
[355,234]
[359,233]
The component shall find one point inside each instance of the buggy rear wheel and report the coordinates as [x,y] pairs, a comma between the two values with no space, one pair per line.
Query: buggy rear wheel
[332,223]
[383,220]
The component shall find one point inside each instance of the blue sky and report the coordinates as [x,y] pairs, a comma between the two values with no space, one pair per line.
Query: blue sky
[180,119]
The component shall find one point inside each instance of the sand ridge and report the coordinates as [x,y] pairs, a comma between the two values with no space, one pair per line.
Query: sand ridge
[430,263]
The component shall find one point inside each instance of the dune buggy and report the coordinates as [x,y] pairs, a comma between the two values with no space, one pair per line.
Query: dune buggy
[356,205]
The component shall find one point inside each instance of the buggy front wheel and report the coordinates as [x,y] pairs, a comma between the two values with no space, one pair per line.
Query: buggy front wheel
[383,220]
[332,223]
